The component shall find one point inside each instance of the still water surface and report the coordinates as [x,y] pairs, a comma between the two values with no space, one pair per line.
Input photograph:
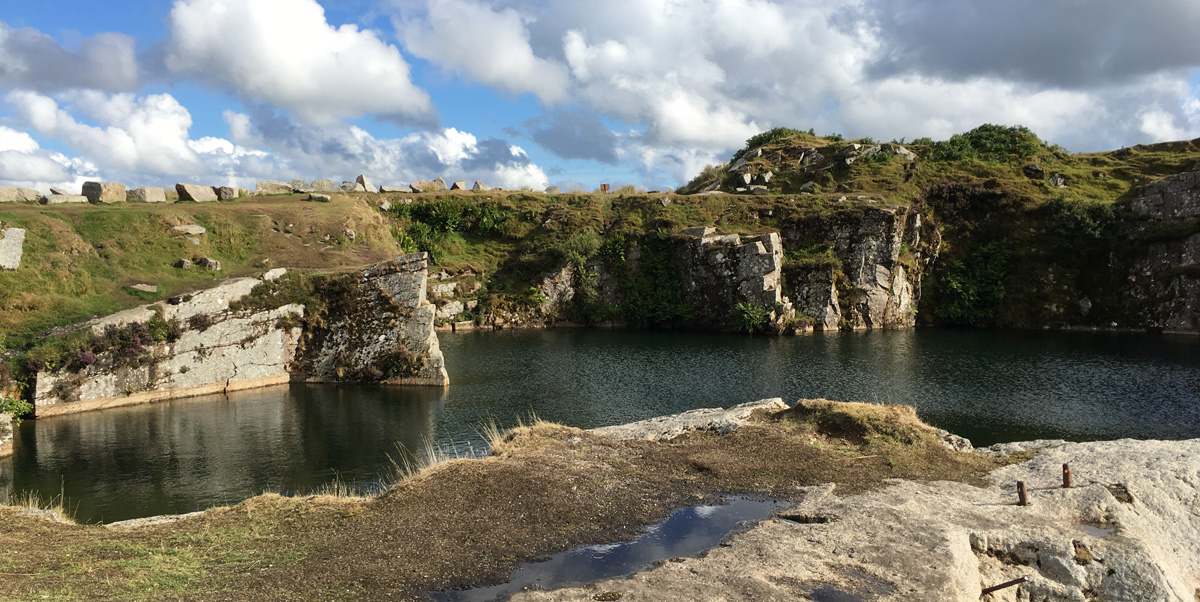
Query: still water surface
[186,455]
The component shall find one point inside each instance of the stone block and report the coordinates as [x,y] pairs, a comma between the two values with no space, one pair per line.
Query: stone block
[300,186]
[395,189]
[365,183]
[195,193]
[319,198]
[188,230]
[147,194]
[10,194]
[270,187]
[60,199]
[12,245]
[104,192]
[459,185]
[480,187]
[225,193]
[325,185]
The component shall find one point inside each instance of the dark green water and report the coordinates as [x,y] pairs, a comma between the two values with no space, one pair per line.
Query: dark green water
[187,455]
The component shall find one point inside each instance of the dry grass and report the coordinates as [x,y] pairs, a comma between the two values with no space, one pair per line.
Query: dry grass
[455,522]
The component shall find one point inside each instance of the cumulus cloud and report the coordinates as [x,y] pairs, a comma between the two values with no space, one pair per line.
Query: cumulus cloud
[341,151]
[285,52]
[146,135]
[698,78]
[24,163]
[1050,44]
[32,60]
[574,135]
[489,46]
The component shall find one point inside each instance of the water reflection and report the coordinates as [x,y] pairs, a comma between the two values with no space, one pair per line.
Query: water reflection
[988,386]
[191,454]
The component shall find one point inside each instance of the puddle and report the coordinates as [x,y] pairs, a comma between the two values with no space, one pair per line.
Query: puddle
[860,588]
[1097,532]
[687,532]
[829,593]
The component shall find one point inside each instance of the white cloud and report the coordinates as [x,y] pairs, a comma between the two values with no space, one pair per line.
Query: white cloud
[489,46]
[146,135]
[32,60]
[13,140]
[341,151]
[24,163]
[285,52]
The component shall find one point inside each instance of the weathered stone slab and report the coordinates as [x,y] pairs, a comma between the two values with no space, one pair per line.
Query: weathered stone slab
[10,194]
[439,185]
[319,198]
[480,187]
[147,194]
[104,192]
[719,420]
[60,199]
[395,189]
[195,193]
[188,230]
[54,190]
[270,187]
[459,185]
[352,187]
[12,246]
[552,190]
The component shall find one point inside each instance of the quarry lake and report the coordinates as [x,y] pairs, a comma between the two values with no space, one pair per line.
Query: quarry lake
[988,386]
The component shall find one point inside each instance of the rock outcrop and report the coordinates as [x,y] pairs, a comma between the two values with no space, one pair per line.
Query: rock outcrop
[6,445]
[1126,532]
[325,185]
[379,328]
[217,351]
[12,246]
[720,272]
[196,193]
[864,270]
[1161,288]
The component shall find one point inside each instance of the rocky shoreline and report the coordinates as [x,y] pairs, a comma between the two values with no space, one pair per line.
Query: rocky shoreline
[1126,530]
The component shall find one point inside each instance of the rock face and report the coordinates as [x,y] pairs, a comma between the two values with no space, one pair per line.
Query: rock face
[147,194]
[12,246]
[867,273]
[195,193]
[104,192]
[269,187]
[379,328]
[6,446]
[220,351]
[9,194]
[1162,287]
[717,273]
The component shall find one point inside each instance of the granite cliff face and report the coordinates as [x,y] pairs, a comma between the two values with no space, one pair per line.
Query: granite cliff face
[374,326]
[1164,273]
[216,351]
[378,327]
[858,267]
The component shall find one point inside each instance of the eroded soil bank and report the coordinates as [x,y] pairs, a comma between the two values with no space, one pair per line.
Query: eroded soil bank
[545,489]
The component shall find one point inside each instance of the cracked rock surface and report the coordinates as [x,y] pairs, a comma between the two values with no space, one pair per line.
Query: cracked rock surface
[1128,531]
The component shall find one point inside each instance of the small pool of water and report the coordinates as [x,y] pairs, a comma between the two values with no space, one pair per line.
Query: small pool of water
[687,532]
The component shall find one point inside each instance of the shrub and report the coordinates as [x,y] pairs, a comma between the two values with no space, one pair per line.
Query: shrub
[200,322]
[16,407]
[750,317]
[991,143]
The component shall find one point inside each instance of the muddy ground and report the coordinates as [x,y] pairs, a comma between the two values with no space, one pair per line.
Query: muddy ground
[463,523]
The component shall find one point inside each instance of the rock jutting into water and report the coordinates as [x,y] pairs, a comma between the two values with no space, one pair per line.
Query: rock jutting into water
[381,329]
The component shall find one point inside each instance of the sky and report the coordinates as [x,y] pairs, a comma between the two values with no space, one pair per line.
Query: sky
[569,93]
